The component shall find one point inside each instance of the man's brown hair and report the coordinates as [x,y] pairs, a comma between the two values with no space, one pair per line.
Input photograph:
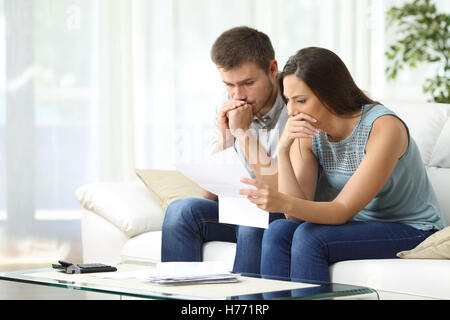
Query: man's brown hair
[242,44]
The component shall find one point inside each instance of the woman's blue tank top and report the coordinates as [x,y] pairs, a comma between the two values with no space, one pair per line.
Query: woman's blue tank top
[407,197]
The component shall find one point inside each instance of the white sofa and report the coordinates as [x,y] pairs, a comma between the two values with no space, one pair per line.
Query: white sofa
[122,221]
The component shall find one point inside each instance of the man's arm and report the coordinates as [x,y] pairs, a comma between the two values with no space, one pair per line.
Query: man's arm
[263,166]
[226,139]
[261,163]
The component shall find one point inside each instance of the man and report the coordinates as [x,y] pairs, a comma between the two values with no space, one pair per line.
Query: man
[251,121]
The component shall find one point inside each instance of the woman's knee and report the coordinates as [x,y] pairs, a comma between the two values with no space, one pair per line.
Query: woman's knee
[279,230]
[308,237]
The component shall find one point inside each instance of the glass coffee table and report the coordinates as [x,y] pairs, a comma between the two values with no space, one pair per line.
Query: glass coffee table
[249,286]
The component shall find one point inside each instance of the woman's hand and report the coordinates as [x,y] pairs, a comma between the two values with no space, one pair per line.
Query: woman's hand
[298,126]
[265,197]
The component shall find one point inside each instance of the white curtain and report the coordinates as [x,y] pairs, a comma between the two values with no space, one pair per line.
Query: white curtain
[92,89]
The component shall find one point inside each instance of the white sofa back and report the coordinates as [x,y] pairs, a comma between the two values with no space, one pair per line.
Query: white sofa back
[429,125]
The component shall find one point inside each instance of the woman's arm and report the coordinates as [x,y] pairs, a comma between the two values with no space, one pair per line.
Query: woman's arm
[297,171]
[297,165]
[387,142]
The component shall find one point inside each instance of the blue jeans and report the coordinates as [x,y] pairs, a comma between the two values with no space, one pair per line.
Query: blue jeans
[304,250]
[190,222]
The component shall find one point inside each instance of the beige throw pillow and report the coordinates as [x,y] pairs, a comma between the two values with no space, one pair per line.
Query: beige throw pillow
[168,185]
[436,246]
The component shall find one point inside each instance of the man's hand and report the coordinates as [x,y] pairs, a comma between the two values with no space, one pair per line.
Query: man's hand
[240,118]
[222,117]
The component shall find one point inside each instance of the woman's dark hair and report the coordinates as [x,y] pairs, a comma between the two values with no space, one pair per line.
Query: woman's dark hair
[328,77]
[242,44]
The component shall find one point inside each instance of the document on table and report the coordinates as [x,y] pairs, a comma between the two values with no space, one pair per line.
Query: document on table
[167,273]
[192,272]
[220,174]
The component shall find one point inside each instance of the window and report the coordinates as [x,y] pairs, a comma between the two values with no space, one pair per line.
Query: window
[64,97]
[3,182]
[48,97]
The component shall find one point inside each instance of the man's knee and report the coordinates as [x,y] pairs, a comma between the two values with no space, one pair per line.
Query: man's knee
[177,210]
[187,211]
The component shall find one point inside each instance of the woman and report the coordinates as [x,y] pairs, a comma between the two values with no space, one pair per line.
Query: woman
[373,198]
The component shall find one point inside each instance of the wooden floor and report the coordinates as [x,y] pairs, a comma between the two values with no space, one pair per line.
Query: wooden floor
[11,290]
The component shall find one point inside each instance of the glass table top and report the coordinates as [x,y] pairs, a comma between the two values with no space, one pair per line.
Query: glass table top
[249,287]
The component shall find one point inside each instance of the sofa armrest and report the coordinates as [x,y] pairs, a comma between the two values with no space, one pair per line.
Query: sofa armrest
[127,205]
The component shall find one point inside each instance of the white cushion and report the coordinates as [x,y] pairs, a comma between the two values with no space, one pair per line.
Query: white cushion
[147,247]
[422,277]
[127,205]
[144,247]
[440,179]
[441,153]
[429,126]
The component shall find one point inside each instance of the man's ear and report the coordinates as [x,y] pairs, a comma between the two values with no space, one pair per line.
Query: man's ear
[273,68]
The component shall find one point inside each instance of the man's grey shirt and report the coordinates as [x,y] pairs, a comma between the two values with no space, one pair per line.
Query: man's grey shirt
[267,132]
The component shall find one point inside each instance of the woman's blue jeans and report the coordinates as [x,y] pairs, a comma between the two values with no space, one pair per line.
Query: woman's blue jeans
[304,250]
[190,222]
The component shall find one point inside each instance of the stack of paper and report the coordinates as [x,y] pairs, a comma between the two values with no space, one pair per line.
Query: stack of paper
[191,272]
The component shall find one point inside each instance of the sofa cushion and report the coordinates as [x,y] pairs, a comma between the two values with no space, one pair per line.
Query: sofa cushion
[421,277]
[436,246]
[168,185]
[429,124]
[439,178]
[126,205]
[146,247]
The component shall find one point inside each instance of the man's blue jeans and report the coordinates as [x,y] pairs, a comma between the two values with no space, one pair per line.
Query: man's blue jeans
[190,222]
[304,250]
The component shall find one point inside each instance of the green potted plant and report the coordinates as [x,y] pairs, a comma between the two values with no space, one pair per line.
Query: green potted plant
[424,37]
